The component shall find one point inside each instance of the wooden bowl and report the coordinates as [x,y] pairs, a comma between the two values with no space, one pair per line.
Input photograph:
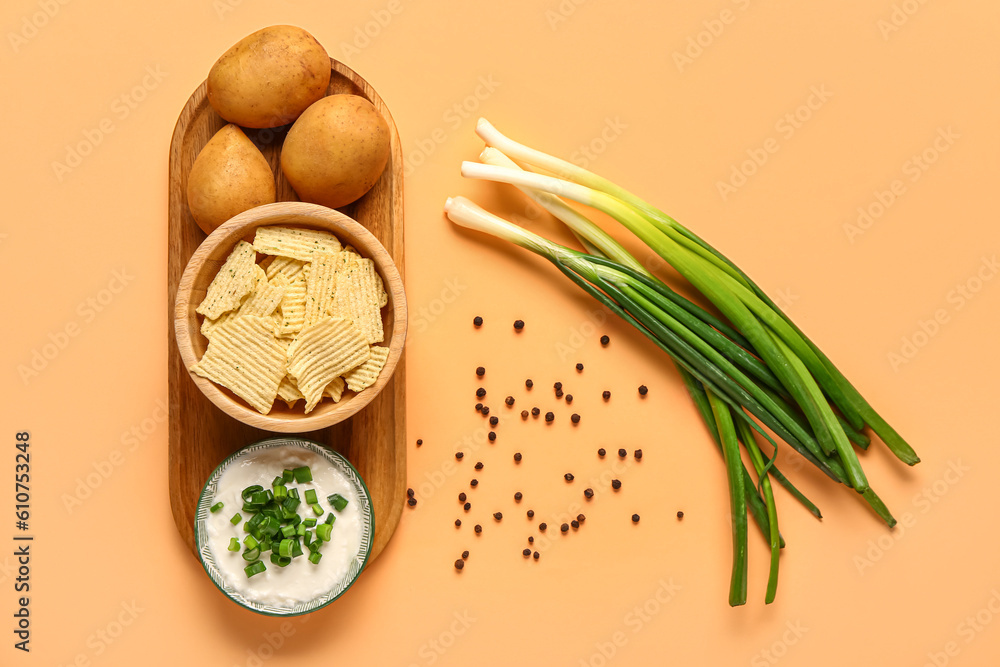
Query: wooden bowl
[205,263]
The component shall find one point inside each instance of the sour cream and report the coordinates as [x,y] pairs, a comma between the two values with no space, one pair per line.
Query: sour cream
[301,581]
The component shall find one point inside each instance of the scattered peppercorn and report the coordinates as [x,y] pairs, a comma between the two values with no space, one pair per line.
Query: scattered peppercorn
[531,539]
[412,502]
[622,453]
[557,386]
[528,383]
[480,371]
[479,465]
[409,493]
[478,321]
[478,529]
[524,414]
[559,393]
[579,368]
[531,514]
[498,516]
[568,477]
[643,390]
[535,412]
[518,324]
[680,515]
[601,452]
[635,518]
[574,523]
[462,497]
[535,555]
[517,497]
[459,455]
[569,398]
[517,456]
[509,400]
[606,395]
[605,340]
[542,526]
[637,454]
[616,484]
[526,553]
[588,493]
[492,436]
[581,518]
[575,418]
[494,420]
[459,564]
[485,410]
[549,416]
[479,407]
[465,554]
[480,392]
[467,506]
[474,483]
[564,528]
[419,442]
[458,522]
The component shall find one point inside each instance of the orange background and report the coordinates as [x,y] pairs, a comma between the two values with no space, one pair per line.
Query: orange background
[112,584]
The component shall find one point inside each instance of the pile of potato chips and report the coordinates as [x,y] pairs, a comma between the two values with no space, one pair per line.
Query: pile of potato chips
[302,324]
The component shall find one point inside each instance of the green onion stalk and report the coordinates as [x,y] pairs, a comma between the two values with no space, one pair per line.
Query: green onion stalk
[755,367]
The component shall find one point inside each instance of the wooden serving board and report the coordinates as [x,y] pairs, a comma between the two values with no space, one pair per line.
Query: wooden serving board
[201,435]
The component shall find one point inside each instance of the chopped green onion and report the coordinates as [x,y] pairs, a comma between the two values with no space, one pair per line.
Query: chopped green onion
[234,544]
[309,523]
[265,545]
[310,496]
[259,498]
[315,545]
[323,531]
[290,503]
[250,555]
[236,518]
[314,557]
[280,492]
[330,518]
[216,507]
[280,561]
[254,568]
[250,490]
[302,474]
[287,475]
[269,526]
[307,537]
[338,501]
[250,542]
[300,529]
[278,481]
[317,510]
[296,549]
[288,530]
[285,547]
[294,493]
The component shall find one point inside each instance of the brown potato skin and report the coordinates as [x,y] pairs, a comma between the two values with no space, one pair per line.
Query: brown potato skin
[229,176]
[336,151]
[269,77]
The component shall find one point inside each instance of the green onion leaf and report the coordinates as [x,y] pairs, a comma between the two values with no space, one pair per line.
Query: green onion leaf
[338,501]
[254,568]
[216,507]
[236,518]
[314,557]
[234,544]
[302,474]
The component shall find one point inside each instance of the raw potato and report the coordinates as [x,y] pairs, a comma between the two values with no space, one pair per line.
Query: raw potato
[336,150]
[270,77]
[229,176]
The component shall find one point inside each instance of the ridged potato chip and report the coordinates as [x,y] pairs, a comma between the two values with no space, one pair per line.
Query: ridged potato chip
[289,392]
[335,389]
[233,282]
[300,244]
[285,265]
[244,356]
[366,374]
[266,297]
[320,285]
[357,299]
[293,305]
[322,352]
